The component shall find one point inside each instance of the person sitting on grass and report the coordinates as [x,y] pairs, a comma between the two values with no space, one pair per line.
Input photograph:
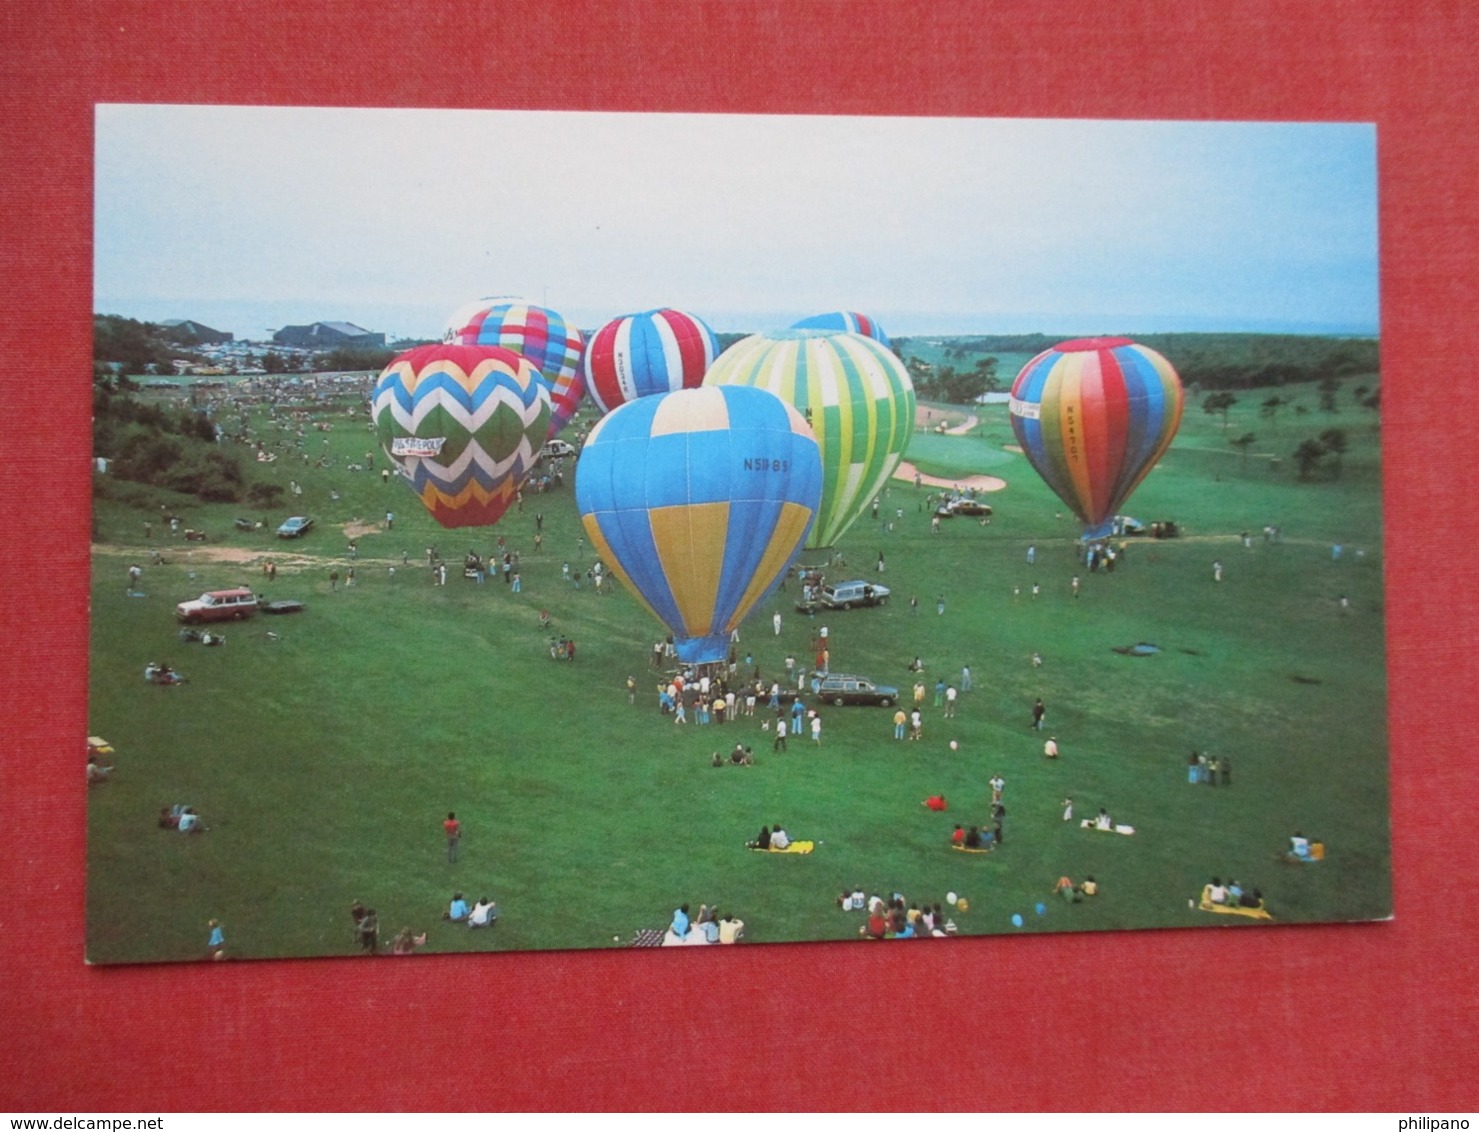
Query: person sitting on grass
[189,821]
[973,838]
[405,943]
[457,910]
[761,842]
[1103,821]
[483,913]
[935,802]
[1217,891]
[1252,899]
[169,817]
[1065,889]
[958,836]
[731,930]
[877,925]
[1090,887]
[779,838]
[1299,846]
[96,771]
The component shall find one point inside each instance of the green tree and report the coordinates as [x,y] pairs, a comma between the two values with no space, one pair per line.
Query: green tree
[1270,408]
[1308,456]
[1219,402]
[986,369]
[1242,444]
[1328,387]
[1335,442]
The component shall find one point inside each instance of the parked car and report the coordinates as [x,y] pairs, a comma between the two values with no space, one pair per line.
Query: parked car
[846,595]
[972,507]
[218,605]
[558,450]
[843,688]
[296,527]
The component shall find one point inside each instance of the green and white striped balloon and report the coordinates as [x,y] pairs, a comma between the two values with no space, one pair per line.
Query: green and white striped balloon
[855,394]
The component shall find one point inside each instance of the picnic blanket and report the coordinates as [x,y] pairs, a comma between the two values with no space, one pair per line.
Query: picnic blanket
[964,849]
[648,937]
[794,847]
[1088,823]
[1259,913]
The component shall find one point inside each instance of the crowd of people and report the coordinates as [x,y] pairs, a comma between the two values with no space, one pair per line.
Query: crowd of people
[709,926]
[896,918]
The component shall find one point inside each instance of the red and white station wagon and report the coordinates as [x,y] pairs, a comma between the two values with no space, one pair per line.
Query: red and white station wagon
[218,605]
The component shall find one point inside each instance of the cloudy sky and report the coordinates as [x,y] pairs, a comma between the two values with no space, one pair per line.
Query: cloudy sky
[249,218]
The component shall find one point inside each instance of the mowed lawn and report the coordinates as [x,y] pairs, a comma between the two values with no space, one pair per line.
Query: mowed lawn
[324,760]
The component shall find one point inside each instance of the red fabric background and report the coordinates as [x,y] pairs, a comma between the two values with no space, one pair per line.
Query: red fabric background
[1368,1017]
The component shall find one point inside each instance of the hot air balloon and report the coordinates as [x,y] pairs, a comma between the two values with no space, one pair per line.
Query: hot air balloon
[539,334]
[638,355]
[855,394]
[699,500]
[1093,416]
[851,321]
[465,424]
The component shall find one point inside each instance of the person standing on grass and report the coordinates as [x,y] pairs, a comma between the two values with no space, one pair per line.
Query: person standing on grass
[453,829]
[1039,709]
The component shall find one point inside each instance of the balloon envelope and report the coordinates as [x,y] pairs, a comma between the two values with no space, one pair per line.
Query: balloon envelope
[855,394]
[638,355]
[465,424]
[850,321]
[699,500]
[1093,416]
[551,343]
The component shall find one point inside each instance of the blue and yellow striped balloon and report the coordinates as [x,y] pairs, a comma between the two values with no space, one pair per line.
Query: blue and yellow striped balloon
[699,500]
[855,394]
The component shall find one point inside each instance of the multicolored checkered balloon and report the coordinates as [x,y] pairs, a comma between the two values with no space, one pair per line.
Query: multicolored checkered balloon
[851,321]
[542,335]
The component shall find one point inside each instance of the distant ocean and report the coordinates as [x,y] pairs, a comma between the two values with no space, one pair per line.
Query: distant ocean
[255,321]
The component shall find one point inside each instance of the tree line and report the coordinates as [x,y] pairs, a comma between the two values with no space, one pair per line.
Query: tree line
[1207,361]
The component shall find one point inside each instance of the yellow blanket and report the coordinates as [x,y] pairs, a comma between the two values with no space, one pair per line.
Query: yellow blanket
[964,849]
[794,847]
[1259,913]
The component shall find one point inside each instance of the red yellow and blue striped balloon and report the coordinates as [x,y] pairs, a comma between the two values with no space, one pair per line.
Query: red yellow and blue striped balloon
[465,425]
[638,355]
[543,336]
[1093,416]
[855,394]
[851,321]
[699,500]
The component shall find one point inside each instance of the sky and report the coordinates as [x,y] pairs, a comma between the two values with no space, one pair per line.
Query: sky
[252,218]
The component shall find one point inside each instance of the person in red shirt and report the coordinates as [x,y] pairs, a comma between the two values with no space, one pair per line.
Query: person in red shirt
[958,837]
[936,802]
[453,829]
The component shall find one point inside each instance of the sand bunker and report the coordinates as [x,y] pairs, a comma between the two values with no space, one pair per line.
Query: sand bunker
[907,471]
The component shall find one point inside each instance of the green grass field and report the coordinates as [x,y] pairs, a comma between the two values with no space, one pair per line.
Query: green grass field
[324,761]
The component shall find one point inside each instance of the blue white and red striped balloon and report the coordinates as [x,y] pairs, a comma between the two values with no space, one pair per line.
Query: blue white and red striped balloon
[638,355]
